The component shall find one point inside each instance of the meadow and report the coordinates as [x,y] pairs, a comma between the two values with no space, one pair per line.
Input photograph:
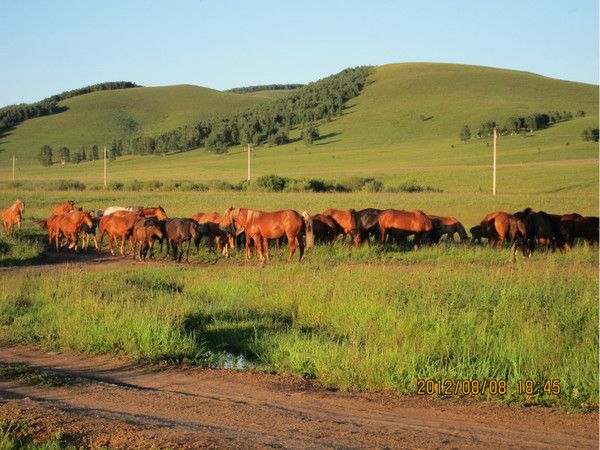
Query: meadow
[367,319]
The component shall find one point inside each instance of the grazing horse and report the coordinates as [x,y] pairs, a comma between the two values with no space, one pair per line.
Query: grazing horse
[501,225]
[576,226]
[446,225]
[367,221]
[64,208]
[69,225]
[347,223]
[404,223]
[222,239]
[145,231]
[477,233]
[324,228]
[542,229]
[12,216]
[179,231]
[260,225]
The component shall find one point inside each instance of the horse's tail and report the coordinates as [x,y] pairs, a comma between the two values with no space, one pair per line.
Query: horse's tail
[41,223]
[462,233]
[308,226]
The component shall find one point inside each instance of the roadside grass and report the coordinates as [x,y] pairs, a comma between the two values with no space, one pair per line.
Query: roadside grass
[16,434]
[22,248]
[375,321]
[32,376]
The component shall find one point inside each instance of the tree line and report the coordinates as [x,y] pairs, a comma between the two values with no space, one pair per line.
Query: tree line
[92,153]
[12,115]
[264,87]
[517,124]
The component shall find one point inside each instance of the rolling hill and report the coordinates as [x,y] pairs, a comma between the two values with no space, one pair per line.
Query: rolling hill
[100,117]
[403,126]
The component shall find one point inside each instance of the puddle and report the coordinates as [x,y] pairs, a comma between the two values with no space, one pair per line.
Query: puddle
[226,360]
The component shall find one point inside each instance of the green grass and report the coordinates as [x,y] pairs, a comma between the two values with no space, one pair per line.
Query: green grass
[17,434]
[100,117]
[381,135]
[367,320]
[29,375]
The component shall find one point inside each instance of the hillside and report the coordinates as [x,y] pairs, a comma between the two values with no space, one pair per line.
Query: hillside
[382,134]
[100,117]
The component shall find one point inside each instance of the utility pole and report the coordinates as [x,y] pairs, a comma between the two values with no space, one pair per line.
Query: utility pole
[248,162]
[105,166]
[494,177]
[13,167]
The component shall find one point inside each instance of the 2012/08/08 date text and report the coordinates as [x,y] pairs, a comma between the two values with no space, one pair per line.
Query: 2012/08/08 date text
[449,387]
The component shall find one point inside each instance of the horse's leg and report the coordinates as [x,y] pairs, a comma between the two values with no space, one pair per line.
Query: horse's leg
[292,244]
[417,240]
[135,248]
[382,235]
[300,244]
[265,243]
[187,256]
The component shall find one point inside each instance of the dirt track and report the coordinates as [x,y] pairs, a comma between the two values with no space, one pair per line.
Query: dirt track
[113,402]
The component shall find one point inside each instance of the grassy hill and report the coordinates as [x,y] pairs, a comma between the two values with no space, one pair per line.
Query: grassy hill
[382,134]
[100,117]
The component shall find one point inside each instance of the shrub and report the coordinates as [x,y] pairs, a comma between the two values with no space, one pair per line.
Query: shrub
[271,183]
[116,186]
[316,185]
[590,134]
[220,185]
[373,185]
[135,185]
[152,185]
[70,185]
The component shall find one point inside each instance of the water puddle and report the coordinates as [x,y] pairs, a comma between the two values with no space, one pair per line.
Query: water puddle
[226,360]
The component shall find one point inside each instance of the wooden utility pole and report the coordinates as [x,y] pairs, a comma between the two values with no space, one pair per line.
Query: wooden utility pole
[494,176]
[105,166]
[13,167]
[248,162]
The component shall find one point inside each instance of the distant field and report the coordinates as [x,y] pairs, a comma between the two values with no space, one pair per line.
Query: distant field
[382,134]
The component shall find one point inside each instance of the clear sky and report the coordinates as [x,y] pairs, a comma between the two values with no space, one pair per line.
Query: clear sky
[51,46]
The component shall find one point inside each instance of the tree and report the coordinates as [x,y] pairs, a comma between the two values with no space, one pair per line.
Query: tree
[76,157]
[84,155]
[113,152]
[310,134]
[590,134]
[465,133]
[45,155]
[64,154]
[95,153]
[580,113]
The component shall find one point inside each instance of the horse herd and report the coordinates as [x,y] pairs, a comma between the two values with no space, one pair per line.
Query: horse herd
[143,226]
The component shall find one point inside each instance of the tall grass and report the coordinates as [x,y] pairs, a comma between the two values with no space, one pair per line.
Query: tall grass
[379,323]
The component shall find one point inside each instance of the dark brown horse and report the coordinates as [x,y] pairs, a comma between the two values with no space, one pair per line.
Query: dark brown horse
[64,208]
[576,226]
[178,232]
[367,221]
[324,228]
[12,216]
[347,223]
[220,238]
[260,225]
[447,225]
[403,224]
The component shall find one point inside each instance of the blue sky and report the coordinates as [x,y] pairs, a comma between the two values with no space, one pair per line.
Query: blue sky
[52,46]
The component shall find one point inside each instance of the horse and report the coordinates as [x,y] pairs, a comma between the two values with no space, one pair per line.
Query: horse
[88,231]
[112,209]
[446,225]
[116,225]
[261,225]
[157,212]
[542,229]
[145,231]
[576,226]
[64,208]
[501,225]
[347,223]
[477,233]
[69,225]
[367,221]
[222,239]
[12,216]
[324,228]
[179,231]
[404,223]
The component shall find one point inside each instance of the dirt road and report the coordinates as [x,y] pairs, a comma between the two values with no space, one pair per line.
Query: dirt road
[114,402]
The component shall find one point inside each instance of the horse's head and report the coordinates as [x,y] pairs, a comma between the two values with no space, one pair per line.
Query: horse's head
[160,213]
[20,204]
[87,219]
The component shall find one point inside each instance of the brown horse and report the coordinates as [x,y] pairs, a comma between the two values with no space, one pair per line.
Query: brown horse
[222,239]
[261,225]
[367,221]
[69,225]
[64,208]
[447,225]
[501,226]
[404,223]
[576,226]
[12,216]
[118,225]
[145,231]
[157,212]
[347,223]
